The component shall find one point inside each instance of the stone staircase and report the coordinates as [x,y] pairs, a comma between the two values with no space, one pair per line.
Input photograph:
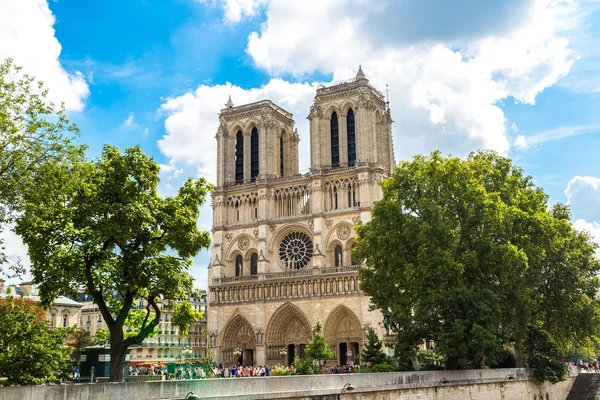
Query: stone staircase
[585,387]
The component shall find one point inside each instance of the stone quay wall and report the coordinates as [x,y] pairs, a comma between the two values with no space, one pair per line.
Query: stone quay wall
[486,384]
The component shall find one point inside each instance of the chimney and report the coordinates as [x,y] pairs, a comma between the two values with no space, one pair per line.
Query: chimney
[2,286]
[26,288]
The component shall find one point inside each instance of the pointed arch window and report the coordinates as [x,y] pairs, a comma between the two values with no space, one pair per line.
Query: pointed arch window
[254,152]
[335,141]
[351,137]
[239,157]
[254,264]
[354,262]
[281,155]
[239,266]
[338,255]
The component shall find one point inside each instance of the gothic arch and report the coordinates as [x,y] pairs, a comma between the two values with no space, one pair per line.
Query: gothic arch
[342,325]
[288,325]
[332,235]
[330,110]
[233,249]
[249,125]
[237,127]
[238,333]
[347,105]
[282,232]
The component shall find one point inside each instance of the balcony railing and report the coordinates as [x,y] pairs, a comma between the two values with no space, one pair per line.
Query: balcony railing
[287,274]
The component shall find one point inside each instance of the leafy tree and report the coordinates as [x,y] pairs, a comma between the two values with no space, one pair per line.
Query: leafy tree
[306,366]
[468,254]
[78,339]
[32,132]
[102,225]
[317,348]
[30,352]
[372,351]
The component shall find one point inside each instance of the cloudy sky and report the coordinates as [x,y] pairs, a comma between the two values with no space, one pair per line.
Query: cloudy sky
[521,77]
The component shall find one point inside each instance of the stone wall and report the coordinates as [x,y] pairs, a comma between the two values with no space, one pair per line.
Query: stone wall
[462,385]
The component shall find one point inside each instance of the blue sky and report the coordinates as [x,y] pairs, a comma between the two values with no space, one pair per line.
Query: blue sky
[519,77]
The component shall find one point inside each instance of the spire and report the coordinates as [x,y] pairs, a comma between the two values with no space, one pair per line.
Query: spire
[360,74]
[229,103]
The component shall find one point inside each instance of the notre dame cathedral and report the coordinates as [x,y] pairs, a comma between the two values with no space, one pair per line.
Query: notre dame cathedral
[281,254]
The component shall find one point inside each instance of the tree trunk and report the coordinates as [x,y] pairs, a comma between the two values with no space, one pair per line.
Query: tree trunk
[117,362]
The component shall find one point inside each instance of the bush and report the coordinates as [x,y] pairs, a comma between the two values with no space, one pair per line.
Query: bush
[280,371]
[385,367]
[306,366]
[506,359]
[429,360]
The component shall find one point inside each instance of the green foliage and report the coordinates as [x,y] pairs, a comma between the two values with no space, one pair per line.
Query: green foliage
[78,339]
[33,132]
[306,366]
[32,353]
[317,348]
[372,351]
[429,360]
[506,359]
[467,253]
[101,225]
[544,356]
[384,367]
[280,371]
[184,317]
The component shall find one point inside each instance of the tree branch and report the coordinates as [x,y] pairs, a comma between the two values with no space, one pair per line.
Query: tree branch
[143,334]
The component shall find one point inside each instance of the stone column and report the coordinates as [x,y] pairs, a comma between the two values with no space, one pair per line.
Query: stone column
[247,156]
[343,139]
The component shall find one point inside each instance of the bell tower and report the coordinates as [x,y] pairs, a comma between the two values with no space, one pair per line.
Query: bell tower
[351,124]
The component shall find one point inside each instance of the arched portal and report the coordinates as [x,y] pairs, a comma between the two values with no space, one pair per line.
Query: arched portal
[287,333]
[238,343]
[343,332]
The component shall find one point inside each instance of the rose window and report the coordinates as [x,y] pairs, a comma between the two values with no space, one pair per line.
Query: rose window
[295,250]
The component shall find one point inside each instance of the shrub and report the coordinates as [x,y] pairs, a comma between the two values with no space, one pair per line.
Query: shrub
[280,371]
[306,366]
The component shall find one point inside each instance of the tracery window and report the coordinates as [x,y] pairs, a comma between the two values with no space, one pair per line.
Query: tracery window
[351,137]
[254,264]
[338,256]
[239,265]
[254,152]
[239,157]
[335,141]
[295,250]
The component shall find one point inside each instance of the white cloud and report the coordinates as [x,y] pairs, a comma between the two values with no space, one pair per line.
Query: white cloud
[15,250]
[525,142]
[27,36]
[129,121]
[593,228]
[583,194]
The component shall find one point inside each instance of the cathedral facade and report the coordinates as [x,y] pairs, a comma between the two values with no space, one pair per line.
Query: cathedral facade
[281,254]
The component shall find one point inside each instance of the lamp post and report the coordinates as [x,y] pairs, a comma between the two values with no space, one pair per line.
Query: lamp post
[190,396]
[440,383]
[347,388]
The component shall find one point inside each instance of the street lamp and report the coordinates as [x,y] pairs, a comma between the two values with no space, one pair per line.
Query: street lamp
[190,396]
[508,378]
[348,356]
[440,383]
[283,352]
[347,388]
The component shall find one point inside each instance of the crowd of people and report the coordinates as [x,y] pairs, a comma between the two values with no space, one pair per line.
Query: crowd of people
[190,371]
[592,366]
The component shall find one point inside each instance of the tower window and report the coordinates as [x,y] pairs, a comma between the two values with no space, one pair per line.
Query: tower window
[351,137]
[239,157]
[254,154]
[239,265]
[281,155]
[254,264]
[338,255]
[335,142]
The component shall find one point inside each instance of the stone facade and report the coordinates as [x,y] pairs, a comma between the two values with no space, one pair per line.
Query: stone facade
[281,254]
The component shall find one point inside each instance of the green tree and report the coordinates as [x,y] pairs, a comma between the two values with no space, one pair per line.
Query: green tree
[372,351]
[32,132]
[102,226]
[30,352]
[317,348]
[468,254]
[78,339]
